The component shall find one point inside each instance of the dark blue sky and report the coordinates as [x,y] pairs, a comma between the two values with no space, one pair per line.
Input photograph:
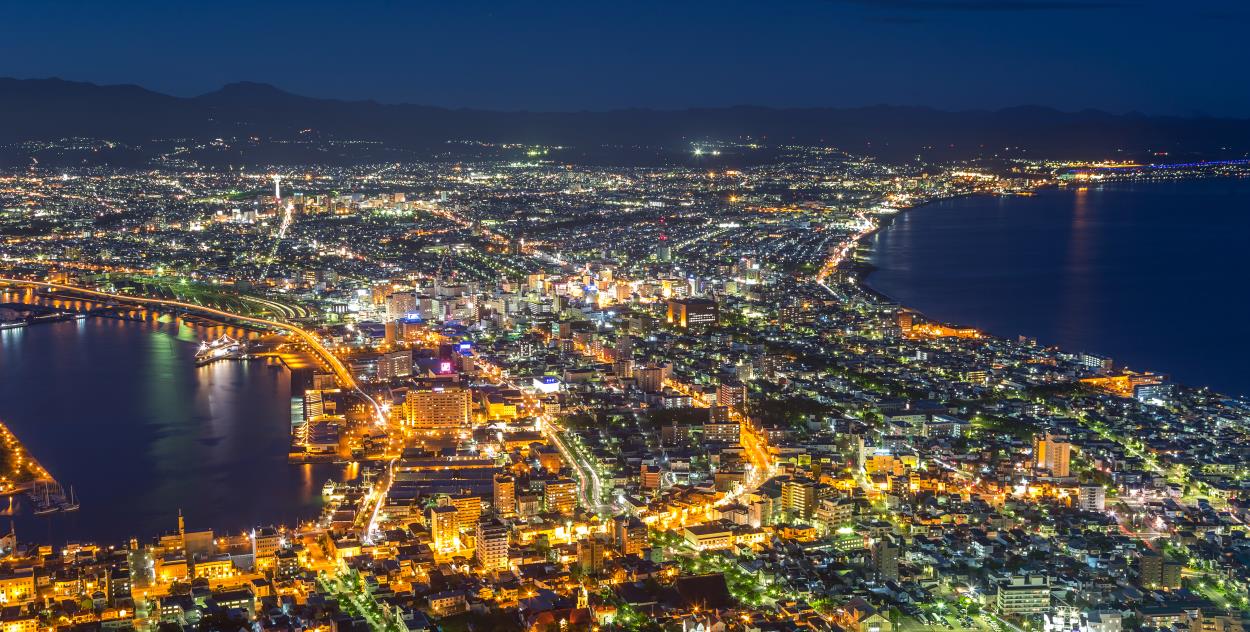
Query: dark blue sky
[1153,56]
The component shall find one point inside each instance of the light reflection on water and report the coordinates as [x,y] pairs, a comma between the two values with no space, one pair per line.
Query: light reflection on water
[119,410]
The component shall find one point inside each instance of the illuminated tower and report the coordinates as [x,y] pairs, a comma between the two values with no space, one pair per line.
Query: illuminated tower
[663,253]
[277,187]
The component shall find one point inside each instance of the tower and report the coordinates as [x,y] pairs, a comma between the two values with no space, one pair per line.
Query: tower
[664,253]
[277,187]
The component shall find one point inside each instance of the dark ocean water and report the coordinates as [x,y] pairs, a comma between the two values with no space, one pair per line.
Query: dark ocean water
[1153,274]
[119,410]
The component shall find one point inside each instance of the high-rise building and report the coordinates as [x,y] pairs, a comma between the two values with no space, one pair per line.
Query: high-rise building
[798,496]
[1091,498]
[443,531]
[492,545]
[591,552]
[650,378]
[1156,570]
[629,535]
[904,321]
[1051,453]
[834,513]
[265,542]
[438,407]
[560,496]
[732,394]
[692,312]
[401,305]
[885,552]
[503,495]
[468,509]
[623,368]
[1097,363]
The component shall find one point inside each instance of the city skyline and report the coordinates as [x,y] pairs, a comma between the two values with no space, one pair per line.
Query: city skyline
[292,340]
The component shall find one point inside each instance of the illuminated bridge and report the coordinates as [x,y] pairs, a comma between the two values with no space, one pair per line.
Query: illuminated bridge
[340,371]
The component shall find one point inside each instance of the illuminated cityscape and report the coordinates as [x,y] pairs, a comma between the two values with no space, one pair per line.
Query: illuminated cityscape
[561,387]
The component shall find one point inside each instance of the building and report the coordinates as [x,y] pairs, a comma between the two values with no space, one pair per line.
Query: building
[17,587]
[1157,571]
[885,554]
[1096,363]
[549,459]
[1052,452]
[650,378]
[690,313]
[904,321]
[798,496]
[448,603]
[591,553]
[732,394]
[381,367]
[1024,594]
[560,496]
[468,509]
[503,496]
[443,531]
[629,534]
[401,305]
[1091,498]
[492,545]
[439,407]
[833,513]
[728,432]
[1071,619]
[265,543]
[710,536]
[650,476]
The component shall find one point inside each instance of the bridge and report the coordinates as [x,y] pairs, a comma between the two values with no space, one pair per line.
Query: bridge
[336,366]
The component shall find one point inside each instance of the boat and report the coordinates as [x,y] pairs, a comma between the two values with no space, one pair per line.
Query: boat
[45,505]
[328,488]
[72,505]
[13,324]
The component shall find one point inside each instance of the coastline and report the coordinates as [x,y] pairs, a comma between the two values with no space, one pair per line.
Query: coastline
[232,403]
[861,270]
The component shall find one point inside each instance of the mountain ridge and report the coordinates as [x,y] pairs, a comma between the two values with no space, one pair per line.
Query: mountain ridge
[47,109]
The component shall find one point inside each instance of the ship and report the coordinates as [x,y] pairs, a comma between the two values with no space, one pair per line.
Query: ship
[219,349]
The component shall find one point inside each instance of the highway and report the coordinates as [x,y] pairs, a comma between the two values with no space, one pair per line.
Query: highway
[340,371]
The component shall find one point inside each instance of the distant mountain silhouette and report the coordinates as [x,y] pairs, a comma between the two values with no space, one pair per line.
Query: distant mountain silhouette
[45,109]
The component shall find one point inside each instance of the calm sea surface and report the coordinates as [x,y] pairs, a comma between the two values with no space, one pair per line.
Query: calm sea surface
[119,410]
[1154,275]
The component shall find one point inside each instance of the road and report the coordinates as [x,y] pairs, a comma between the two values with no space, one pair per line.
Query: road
[588,483]
[754,445]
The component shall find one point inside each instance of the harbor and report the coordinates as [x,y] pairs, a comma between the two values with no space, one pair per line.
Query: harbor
[24,475]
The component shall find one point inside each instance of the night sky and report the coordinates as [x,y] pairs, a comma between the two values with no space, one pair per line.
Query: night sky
[1151,56]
